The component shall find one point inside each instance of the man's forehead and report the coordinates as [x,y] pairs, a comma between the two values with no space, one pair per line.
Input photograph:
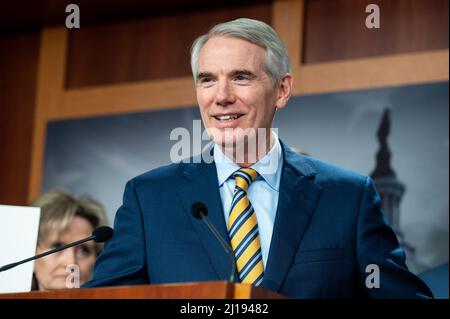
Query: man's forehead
[230,42]
[230,55]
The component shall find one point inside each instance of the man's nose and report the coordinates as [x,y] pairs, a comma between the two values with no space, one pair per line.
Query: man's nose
[225,94]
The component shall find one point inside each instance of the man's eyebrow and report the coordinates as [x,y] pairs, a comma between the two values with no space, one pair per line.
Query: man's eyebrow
[243,72]
[203,75]
[246,72]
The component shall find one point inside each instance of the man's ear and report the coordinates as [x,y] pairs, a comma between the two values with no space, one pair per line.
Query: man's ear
[284,90]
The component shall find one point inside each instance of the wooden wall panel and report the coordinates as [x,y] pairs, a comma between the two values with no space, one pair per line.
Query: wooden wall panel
[153,48]
[335,30]
[33,15]
[123,52]
[18,67]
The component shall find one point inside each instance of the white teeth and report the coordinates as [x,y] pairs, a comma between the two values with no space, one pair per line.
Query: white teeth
[227,117]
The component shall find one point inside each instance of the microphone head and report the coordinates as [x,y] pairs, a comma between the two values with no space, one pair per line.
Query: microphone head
[102,234]
[198,207]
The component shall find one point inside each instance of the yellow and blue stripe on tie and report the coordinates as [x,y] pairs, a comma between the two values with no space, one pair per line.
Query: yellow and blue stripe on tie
[243,230]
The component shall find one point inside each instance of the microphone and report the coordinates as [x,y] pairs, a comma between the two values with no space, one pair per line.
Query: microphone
[200,211]
[99,235]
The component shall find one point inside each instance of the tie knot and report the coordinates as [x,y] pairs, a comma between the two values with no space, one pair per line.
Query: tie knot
[244,177]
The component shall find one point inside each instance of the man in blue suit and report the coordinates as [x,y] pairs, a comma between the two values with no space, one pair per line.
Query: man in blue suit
[296,225]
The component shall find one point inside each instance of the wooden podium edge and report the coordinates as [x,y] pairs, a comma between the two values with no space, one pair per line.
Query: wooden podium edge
[193,290]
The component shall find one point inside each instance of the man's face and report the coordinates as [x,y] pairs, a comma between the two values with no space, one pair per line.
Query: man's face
[233,89]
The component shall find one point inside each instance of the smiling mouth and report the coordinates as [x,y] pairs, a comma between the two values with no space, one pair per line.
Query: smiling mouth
[228,117]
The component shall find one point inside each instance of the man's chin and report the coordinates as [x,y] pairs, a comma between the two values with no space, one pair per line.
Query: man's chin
[231,136]
[228,141]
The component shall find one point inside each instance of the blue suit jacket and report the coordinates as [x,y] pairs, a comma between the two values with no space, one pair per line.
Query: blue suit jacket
[328,229]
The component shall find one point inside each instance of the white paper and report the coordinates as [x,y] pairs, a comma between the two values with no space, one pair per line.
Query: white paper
[18,237]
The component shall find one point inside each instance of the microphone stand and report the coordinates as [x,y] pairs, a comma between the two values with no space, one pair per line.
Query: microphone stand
[222,242]
[9,266]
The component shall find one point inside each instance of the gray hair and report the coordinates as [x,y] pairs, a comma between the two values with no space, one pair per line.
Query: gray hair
[257,32]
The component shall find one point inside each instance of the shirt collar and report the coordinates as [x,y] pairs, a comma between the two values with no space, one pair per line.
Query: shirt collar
[269,167]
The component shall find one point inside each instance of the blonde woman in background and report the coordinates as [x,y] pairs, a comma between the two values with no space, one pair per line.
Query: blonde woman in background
[65,219]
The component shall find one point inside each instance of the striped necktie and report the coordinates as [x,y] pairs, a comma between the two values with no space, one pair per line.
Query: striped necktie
[243,230]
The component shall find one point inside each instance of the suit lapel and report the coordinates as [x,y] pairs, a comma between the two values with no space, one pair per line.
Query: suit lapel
[201,185]
[297,200]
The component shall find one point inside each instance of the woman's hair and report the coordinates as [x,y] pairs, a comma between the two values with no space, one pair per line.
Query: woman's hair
[277,59]
[58,208]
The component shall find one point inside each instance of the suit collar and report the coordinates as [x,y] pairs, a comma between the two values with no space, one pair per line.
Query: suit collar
[297,162]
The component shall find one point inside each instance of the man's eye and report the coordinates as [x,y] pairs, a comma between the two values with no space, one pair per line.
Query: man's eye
[241,78]
[206,82]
